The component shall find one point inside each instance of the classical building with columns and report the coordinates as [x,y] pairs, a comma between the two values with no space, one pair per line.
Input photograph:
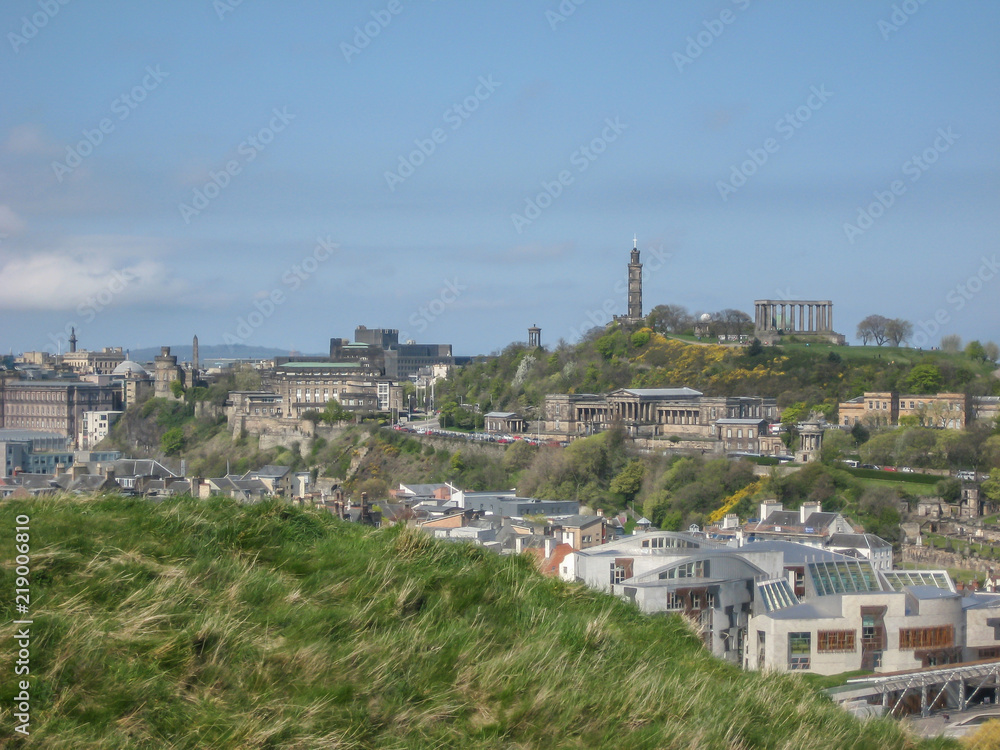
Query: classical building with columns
[809,319]
[651,412]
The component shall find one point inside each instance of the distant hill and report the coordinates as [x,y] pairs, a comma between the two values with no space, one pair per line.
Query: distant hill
[207,624]
[208,352]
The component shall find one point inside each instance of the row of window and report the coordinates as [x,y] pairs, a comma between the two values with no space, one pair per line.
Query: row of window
[16,394]
[942,636]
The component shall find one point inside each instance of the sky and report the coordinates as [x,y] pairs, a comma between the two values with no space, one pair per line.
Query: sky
[274,173]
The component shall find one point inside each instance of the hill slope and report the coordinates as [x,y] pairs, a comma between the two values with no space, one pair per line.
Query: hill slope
[195,624]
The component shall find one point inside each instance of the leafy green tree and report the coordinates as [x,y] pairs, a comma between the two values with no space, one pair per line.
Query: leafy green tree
[173,441]
[949,490]
[518,455]
[795,413]
[924,379]
[860,433]
[628,481]
[611,345]
[177,388]
[640,338]
[975,351]
[991,487]
[334,413]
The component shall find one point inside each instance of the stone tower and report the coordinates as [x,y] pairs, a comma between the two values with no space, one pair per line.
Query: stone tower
[535,336]
[72,340]
[635,284]
[194,357]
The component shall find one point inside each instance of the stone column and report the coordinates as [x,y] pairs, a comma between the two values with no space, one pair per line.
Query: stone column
[829,321]
[810,306]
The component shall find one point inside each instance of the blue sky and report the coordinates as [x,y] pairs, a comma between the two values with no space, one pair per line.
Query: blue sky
[275,173]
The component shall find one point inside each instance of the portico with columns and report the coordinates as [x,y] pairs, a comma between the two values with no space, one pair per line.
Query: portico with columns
[803,318]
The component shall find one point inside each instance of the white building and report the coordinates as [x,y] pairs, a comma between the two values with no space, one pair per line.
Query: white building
[95,426]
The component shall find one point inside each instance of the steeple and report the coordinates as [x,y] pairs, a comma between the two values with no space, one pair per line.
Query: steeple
[72,340]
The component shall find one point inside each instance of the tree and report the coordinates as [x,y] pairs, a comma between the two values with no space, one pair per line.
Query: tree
[670,319]
[873,328]
[991,487]
[898,330]
[172,442]
[177,388]
[628,482]
[924,379]
[974,350]
[756,348]
[951,343]
[992,351]
[949,490]
[734,322]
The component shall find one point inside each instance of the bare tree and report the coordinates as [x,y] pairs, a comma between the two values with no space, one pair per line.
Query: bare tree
[670,319]
[952,343]
[991,350]
[873,328]
[734,322]
[898,330]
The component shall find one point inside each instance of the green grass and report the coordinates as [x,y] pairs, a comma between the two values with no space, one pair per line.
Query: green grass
[901,477]
[204,624]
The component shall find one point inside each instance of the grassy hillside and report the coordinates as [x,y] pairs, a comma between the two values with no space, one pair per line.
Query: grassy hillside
[815,375]
[208,625]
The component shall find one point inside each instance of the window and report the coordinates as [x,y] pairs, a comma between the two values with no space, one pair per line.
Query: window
[674,601]
[799,649]
[942,636]
[835,640]
[695,601]
[710,601]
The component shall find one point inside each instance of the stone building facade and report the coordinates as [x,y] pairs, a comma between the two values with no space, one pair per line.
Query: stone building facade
[305,386]
[650,412]
[55,405]
[885,408]
[103,362]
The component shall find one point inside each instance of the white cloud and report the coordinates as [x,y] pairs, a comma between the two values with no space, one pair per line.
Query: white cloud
[88,272]
[28,139]
[10,222]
